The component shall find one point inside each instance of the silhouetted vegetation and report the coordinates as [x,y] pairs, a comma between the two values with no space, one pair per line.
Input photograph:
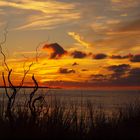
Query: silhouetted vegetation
[59,122]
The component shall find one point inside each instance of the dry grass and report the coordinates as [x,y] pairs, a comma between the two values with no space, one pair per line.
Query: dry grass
[60,122]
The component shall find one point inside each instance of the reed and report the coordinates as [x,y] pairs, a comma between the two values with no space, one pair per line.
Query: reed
[68,122]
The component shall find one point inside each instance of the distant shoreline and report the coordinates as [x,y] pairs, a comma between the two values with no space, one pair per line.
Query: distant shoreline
[94,89]
[27,87]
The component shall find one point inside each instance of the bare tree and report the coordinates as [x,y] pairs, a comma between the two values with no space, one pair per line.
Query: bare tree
[14,89]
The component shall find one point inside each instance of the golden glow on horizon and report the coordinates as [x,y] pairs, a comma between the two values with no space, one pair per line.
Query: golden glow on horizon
[48,70]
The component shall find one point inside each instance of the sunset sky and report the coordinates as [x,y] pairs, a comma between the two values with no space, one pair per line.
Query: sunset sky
[79,43]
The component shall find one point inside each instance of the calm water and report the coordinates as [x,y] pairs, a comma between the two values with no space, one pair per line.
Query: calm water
[106,99]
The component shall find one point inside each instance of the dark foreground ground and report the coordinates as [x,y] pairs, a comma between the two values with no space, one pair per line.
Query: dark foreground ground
[58,122]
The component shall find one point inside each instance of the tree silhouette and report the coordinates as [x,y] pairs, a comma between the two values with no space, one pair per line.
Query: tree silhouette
[8,83]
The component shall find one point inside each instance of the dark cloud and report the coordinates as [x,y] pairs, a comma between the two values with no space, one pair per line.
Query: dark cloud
[98,77]
[116,57]
[84,70]
[132,79]
[75,64]
[135,58]
[55,50]
[78,54]
[100,56]
[128,77]
[135,72]
[119,70]
[121,57]
[66,71]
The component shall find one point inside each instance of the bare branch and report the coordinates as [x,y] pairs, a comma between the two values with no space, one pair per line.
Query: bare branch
[12,98]
[37,47]
[9,80]
[5,86]
[24,76]
[15,90]
[1,48]
[37,55]
[35,100]
[5,36]
[31,105]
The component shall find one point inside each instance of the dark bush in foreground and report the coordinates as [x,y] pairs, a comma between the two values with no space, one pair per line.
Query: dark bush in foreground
[69,123]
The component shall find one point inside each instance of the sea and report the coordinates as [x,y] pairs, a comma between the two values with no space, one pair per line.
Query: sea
[106,99]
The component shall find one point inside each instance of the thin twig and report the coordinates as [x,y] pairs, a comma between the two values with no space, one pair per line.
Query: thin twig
[5,86]
[1,48]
